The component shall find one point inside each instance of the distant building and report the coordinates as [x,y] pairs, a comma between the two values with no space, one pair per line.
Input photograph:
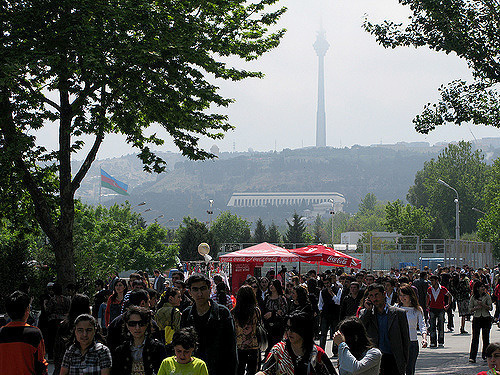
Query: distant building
[286,199]
[354,237]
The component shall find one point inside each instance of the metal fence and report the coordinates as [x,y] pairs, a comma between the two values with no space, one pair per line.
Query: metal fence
[382,254]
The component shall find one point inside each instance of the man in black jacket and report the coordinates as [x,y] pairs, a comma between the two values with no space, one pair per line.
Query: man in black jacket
[387,327]
[215,328]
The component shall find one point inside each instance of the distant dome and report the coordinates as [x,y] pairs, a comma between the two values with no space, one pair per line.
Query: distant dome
[214,150]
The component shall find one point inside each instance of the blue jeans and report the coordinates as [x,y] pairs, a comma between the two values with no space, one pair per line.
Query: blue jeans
[436,318]
[412,358]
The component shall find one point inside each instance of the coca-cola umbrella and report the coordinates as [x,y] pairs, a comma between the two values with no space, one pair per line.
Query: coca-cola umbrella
[326,256]
[263,252]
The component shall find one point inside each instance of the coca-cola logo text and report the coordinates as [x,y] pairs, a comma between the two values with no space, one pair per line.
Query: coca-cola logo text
[337,260]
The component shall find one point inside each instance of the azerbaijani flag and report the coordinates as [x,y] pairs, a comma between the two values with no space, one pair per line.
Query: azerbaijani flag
[112,183]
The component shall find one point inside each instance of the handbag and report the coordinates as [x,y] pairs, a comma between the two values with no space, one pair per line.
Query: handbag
[261,333]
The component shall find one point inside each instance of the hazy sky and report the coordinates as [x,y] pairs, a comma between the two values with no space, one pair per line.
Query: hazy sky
[372,94]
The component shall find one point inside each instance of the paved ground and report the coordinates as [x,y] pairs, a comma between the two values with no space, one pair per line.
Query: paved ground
[453,358]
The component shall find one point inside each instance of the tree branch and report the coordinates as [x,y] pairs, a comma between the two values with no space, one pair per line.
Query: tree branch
[82,96]
[10,134]
[75,184]
[24,83]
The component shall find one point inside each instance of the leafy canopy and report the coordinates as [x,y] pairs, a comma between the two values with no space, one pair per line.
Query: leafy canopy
[462,168]
[230,228]
[471,30]
[408,220]
[118,239]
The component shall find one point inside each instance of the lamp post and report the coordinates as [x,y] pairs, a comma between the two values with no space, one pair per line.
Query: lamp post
[457,210]
[478,210]
[332,212]
[210,211]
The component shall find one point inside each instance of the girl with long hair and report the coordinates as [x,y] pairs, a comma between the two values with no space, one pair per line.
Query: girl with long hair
[80,304]
[246,315]
[86,351]
[357,355]
[480,305]
[300,300]
[415,316]
[297,353]
[115,301]
[275,309]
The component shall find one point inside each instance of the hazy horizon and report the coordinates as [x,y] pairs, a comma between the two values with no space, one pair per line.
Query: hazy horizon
[372,94]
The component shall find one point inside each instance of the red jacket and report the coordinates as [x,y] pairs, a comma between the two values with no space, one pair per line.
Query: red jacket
[22,350]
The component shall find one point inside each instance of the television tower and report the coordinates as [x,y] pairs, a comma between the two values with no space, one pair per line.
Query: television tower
[321,46]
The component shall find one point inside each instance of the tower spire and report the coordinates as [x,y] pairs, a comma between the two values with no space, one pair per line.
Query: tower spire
[321,46]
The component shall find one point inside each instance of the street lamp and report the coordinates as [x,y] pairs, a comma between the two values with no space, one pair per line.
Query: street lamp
[210,211]
[141,204]
[332,212]
[478,210]
[457,210]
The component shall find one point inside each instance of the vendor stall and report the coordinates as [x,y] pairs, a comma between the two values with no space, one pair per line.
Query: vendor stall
[244,261]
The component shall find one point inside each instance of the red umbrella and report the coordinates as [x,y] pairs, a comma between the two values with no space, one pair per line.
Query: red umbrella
[263,252]
[326,256]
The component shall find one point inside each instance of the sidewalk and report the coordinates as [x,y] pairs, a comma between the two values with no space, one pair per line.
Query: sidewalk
[453,359]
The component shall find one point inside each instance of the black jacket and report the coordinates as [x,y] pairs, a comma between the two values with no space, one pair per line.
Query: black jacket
[216,338]
[152,356]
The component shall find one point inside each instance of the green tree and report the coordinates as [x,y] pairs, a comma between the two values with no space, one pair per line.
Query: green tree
[229,228]
[370,216]
[260,233]
[189,235]
[117,239]
[462,168]
[296,230]
[319,234]
[115,67]
[408,220]
[471,30]
[489,223]
[274,235]
[368,204]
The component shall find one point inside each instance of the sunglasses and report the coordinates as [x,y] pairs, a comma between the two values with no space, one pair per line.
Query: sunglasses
[134,323]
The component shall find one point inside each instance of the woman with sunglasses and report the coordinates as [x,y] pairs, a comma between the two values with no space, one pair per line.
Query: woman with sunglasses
[141,354]
[298,354]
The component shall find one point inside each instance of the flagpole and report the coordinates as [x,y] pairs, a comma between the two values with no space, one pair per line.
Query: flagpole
[100,185]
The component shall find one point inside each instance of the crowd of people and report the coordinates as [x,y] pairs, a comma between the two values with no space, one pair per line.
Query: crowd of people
[276,324]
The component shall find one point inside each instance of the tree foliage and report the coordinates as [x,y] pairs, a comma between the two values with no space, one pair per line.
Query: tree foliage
[189,235]
[370,216]
[489,223]
[408,220]
[462,168]
[101,67]
[274,235]
[296,230]
[229,228]
[117,239]
[471,30]
[260,233]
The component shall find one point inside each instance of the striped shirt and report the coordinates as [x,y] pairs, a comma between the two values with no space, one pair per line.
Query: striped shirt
[22,350]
